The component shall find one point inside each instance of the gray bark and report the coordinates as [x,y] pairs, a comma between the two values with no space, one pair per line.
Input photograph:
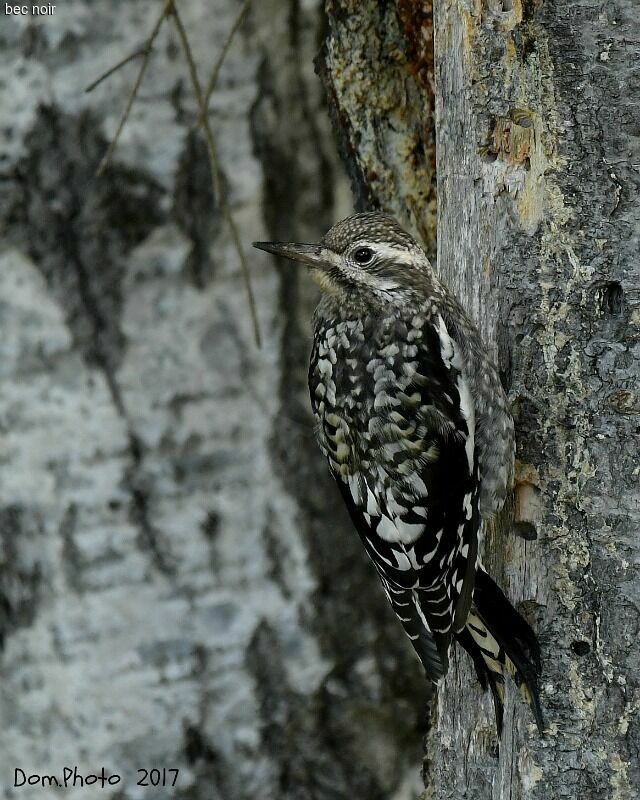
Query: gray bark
[179,586]
[538,232]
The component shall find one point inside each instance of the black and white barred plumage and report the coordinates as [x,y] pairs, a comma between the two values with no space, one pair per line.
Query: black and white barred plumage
[414,423]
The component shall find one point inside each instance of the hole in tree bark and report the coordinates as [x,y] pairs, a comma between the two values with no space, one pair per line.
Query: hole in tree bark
[612,297]
[525,530]
[580,648]
[608,297]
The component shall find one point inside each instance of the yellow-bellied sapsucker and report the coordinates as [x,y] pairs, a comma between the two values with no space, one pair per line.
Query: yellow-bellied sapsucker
[414,422]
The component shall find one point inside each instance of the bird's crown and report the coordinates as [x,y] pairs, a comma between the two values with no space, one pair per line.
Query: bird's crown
[370,226]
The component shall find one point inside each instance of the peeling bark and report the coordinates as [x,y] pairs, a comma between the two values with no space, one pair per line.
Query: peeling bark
[377,70]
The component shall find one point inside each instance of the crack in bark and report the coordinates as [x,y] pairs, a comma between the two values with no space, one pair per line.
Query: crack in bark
[196,209]
[23,575]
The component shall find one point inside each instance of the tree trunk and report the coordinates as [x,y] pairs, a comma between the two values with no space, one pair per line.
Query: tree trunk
[537,162]
[179,585]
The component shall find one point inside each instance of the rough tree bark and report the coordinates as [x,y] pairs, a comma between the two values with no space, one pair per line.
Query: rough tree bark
[537,164]
[178,585]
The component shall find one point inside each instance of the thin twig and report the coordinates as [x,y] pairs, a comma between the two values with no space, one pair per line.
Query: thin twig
[216,175]
[116,67]
[215,73]
[166,7]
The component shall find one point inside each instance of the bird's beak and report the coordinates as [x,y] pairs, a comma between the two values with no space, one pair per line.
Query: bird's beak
[313,255]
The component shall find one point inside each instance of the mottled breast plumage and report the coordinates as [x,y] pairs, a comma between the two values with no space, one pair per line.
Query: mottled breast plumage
[395,420]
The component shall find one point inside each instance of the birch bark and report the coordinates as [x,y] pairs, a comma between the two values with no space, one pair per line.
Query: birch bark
[178,586]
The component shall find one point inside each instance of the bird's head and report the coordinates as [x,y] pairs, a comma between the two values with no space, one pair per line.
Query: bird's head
[366,259]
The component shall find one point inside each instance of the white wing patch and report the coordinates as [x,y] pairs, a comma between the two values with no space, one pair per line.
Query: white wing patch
[447,347]
[452,357]
[468,412]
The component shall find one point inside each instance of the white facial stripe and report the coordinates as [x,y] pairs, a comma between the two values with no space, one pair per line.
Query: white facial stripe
[389,252]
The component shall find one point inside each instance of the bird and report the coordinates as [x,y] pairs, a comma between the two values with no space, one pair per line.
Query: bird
[413,420]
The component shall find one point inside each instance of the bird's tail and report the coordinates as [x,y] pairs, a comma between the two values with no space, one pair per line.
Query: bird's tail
[500,642]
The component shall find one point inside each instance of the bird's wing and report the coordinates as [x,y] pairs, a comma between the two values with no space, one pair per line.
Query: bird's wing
[414,500]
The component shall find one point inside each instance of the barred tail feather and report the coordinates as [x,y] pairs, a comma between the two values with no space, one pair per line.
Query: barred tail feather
[500,642]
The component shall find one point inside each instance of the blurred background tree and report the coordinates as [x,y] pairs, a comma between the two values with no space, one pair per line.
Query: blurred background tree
[179,586]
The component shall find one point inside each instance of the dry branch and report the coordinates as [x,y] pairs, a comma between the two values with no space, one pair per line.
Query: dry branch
[215,73]
[131,57]
[216,173]
[136,86]
[169,8]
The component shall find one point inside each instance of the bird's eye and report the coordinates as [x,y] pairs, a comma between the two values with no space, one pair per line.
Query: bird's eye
[363,255]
